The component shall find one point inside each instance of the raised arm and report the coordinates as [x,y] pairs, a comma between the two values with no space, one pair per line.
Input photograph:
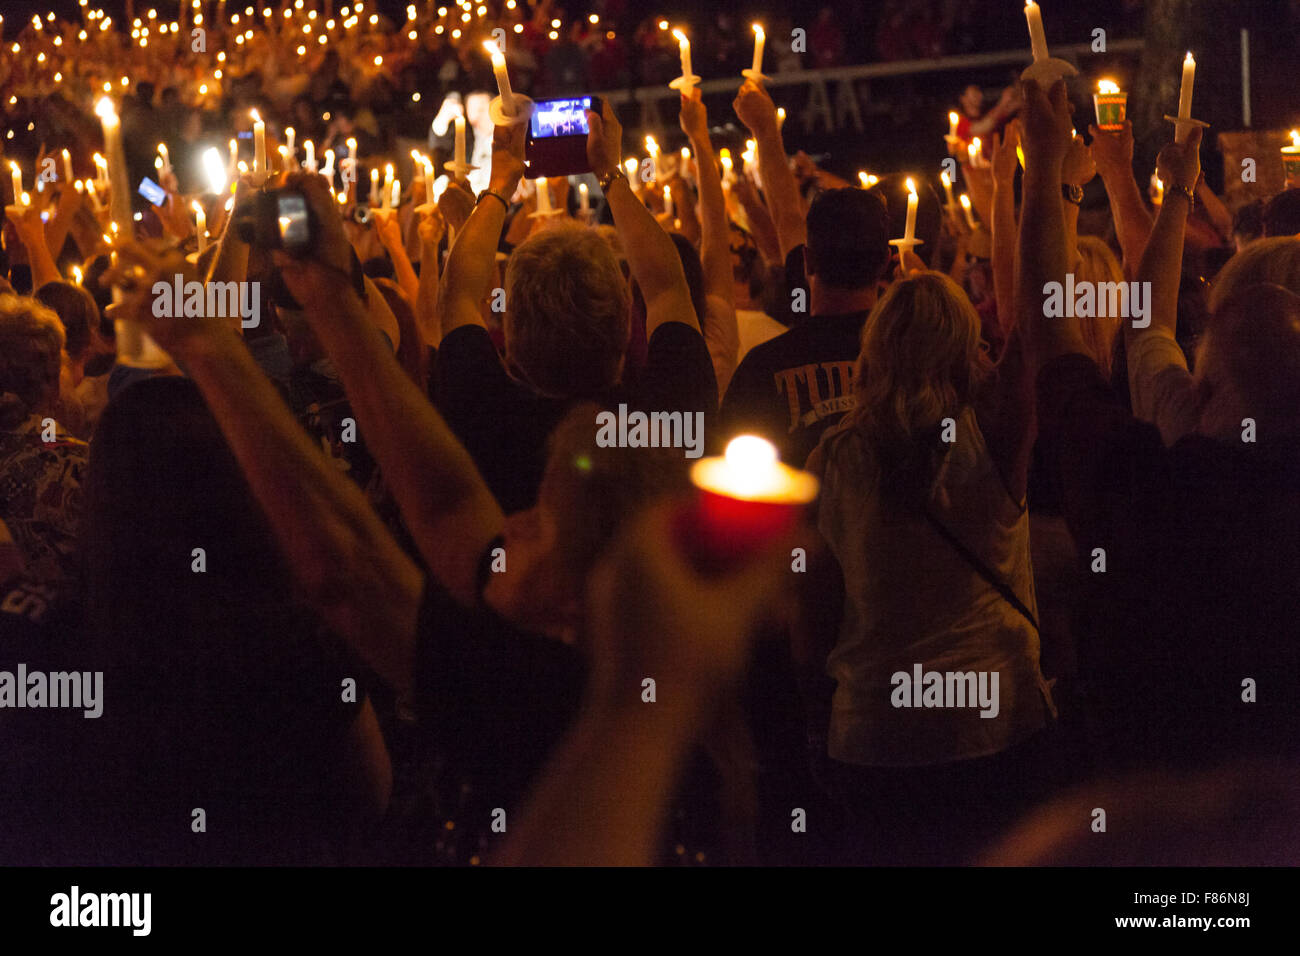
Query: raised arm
[755,109]
[448,509]
[389,229]
[31,232]
[471,265]
[1041,258]
[651,255]
[1152,348]
[338,550]
[1113,154]
[721,332]
[1005,231]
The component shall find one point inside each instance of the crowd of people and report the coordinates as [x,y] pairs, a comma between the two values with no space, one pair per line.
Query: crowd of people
[362,584]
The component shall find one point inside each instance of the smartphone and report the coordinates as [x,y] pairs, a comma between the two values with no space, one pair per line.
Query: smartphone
[151,191]
[557,136]
[246,134]
[295,228]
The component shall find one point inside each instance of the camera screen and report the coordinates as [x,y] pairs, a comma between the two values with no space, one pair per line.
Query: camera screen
[292,217]
[560,117]
[151,191]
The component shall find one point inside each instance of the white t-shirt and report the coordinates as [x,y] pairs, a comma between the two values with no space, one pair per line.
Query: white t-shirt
[912,599]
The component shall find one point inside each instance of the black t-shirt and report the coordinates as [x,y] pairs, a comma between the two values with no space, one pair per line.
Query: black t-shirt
[792,388]
[1201,587]
[505,425]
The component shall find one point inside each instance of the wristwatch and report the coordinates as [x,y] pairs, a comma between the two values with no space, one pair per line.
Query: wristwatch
[1072,193]
[1189,194]
[608,179]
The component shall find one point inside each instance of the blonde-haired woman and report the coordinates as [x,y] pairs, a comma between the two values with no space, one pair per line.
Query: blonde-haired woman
[923,509]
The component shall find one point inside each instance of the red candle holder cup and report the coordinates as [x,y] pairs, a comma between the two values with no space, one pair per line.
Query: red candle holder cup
[745,501]
[1112,109]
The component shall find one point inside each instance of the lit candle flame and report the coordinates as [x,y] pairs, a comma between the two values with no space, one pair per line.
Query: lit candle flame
[1107,86]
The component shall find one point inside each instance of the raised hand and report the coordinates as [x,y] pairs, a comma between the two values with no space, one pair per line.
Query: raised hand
[755,108]
[604,141]
[1179,164]
[1045,125]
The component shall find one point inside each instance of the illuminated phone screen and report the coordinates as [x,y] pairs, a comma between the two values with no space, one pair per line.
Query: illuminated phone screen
[553,118]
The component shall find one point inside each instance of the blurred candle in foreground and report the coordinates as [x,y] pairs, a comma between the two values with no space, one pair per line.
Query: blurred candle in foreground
[947,186]
[747,498]
[214,171]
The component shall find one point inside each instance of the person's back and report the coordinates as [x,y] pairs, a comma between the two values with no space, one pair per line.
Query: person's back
[911,599]
[792,388]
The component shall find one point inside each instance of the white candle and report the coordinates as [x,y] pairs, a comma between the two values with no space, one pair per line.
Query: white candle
[214,171]
[119,196]
[430,192]
[259,145]
[965,206]
[289,136]
[668,201]
[684,48]
[953,119]
[1037,38]
[909,233]
[201,226]
[503,78]
[543,196]
[780,118]
[309,148]
[652,147]
[328,169]
[1185,93]
[947,185]
[67,166]
[17,175]
[759,39]
[584,201]
[460,147]
[374,186]
[395,195]
[233,166]
[101,171]
[388,185]
[166,159]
